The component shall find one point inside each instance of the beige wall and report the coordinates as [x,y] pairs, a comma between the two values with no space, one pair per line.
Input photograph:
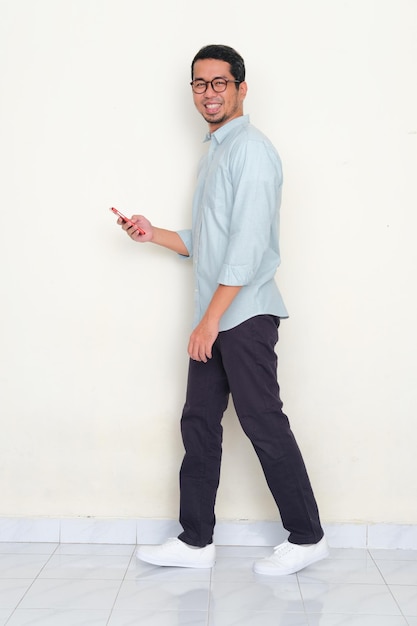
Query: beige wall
[95,111]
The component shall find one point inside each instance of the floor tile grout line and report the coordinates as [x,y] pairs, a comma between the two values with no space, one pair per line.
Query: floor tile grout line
[132,557]
[34,578]
[302,599]
[387,585]
[210,589]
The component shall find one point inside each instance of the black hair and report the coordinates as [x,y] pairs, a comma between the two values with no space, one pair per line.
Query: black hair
[222,53]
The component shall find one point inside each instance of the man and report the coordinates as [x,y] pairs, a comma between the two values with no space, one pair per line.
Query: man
[234,245]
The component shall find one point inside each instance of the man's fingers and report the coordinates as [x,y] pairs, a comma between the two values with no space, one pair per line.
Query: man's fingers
[199,353]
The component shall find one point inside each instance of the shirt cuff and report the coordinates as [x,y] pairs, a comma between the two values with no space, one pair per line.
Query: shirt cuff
[187,239]
[235,275]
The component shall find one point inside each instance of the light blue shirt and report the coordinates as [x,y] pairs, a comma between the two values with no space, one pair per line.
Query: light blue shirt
[235,232]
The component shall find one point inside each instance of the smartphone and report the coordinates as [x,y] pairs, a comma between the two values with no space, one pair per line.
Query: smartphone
[127,220]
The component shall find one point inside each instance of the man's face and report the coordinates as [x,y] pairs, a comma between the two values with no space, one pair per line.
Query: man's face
[218,108]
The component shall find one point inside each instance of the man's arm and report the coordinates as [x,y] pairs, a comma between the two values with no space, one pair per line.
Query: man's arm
[159,236]
[169,239]
[205,334]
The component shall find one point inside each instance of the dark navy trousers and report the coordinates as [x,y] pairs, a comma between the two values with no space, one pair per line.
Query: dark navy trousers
[243,364]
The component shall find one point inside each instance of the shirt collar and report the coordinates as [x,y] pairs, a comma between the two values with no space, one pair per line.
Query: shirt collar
[221,133]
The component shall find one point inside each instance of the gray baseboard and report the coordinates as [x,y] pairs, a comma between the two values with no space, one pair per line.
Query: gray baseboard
[241,532]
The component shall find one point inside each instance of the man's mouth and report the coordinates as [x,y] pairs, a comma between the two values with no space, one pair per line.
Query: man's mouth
[212,108]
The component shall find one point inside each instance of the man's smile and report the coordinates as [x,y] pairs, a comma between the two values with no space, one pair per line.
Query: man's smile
[213,107]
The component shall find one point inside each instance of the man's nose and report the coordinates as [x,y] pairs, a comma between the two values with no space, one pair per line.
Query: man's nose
[210,91]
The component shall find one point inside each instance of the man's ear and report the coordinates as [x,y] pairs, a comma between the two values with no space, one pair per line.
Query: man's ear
[243,89]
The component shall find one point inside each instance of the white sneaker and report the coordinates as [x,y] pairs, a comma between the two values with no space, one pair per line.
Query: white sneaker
[176,553]
[289,558]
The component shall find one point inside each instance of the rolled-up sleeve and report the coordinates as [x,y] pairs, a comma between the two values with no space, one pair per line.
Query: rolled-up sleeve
[187,239]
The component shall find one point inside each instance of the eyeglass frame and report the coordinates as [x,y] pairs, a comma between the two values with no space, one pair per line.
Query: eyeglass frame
[210,82]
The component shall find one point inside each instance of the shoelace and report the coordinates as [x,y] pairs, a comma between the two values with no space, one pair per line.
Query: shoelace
[283,549]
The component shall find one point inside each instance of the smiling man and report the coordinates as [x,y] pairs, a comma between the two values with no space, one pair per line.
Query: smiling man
[234,246]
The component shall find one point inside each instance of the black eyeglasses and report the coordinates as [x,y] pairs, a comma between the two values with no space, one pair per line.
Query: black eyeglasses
[217,84]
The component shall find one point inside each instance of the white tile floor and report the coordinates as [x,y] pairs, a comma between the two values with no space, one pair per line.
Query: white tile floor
[104,585]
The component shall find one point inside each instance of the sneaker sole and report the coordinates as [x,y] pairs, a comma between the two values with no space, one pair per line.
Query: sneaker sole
[160,563]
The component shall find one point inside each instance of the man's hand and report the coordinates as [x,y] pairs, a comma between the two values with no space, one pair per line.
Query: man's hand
[202,339]
[133,233]
[205,334]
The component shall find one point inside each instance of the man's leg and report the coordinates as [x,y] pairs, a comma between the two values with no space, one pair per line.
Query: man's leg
[202,433]
[251,366]
[206,401]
